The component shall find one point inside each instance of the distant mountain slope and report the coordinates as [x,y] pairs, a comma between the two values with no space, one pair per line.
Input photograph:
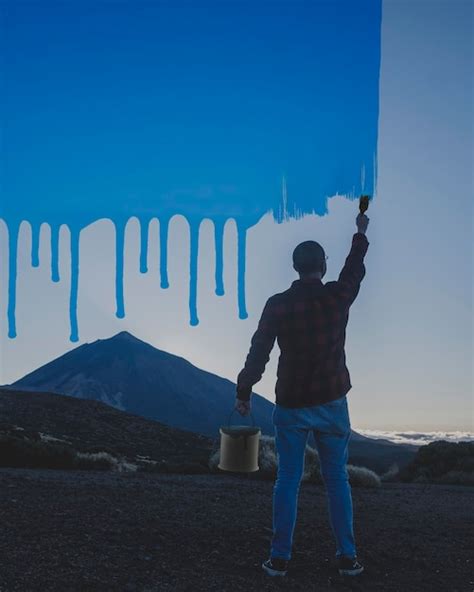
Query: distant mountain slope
[94,426]
[132,375]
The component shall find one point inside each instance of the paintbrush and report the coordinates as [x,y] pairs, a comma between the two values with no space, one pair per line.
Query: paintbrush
[363,203]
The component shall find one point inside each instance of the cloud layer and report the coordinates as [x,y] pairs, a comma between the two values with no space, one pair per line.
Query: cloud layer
[417,438]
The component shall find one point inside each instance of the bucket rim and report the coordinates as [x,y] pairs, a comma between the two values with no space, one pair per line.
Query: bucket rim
[240,430]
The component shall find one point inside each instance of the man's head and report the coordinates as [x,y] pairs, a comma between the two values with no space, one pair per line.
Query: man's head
[309,259]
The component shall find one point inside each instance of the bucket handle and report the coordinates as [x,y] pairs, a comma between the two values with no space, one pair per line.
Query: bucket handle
[253,421]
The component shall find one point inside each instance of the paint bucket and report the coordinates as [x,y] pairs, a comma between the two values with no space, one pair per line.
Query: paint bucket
[239,447]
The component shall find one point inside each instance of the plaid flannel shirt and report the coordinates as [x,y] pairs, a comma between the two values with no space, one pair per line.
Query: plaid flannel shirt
[309,321]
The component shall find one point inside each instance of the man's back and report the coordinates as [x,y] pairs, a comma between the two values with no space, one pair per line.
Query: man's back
[309,323]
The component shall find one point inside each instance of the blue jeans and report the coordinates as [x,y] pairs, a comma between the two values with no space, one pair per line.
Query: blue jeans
[332,430]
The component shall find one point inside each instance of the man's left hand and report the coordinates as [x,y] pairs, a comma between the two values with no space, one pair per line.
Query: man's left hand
[243,407]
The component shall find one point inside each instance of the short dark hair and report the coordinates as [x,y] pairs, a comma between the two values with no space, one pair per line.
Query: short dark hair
[308,256]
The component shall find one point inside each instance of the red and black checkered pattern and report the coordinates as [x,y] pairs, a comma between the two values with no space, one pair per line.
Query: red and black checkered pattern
[309,323]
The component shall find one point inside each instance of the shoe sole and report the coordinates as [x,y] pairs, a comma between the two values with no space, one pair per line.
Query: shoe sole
[351,572]
[273,572]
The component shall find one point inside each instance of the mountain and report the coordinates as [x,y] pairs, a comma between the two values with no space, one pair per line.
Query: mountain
[132,375]
[92,426]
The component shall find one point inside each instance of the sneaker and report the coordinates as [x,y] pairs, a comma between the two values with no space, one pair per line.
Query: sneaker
[348,566]
[275,566]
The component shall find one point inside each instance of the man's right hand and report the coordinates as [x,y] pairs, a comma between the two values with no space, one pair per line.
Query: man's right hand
[362,222]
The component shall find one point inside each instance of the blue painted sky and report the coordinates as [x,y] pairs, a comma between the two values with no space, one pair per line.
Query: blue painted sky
[187,107]
[409,339]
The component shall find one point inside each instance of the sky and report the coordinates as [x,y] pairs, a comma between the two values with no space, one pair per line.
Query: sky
[191,108]
[409,340]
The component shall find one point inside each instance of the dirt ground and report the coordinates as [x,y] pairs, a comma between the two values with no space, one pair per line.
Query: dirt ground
[94,531]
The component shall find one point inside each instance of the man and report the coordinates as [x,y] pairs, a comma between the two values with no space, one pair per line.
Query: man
[309,321]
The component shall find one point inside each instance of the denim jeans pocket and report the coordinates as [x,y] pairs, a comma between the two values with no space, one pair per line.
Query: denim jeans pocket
[338,413]
[284,416]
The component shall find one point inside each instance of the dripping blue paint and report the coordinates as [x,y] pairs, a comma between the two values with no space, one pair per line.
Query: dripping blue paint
[204,109]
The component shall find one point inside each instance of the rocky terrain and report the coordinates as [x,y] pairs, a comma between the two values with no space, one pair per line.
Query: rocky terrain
[87,531]
[144,527]
[90,426]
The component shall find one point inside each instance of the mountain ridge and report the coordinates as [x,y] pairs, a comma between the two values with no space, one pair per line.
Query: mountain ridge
[132,375]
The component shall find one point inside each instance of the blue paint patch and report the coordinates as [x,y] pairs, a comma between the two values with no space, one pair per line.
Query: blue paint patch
[207,109]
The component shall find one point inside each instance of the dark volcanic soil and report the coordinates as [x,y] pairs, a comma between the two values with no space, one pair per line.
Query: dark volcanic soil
[93,531]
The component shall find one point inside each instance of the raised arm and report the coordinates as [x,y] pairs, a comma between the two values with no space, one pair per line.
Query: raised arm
[353,271]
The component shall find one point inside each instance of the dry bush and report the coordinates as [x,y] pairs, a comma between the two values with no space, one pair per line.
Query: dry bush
[392,475]
[103,461]
[31,450]
[441,462]
[363,477]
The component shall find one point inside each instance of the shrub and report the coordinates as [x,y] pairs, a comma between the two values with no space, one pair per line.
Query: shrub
[392,475]
[102,461]
[363,477]
[33,452]
[441,462]
[267,459]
